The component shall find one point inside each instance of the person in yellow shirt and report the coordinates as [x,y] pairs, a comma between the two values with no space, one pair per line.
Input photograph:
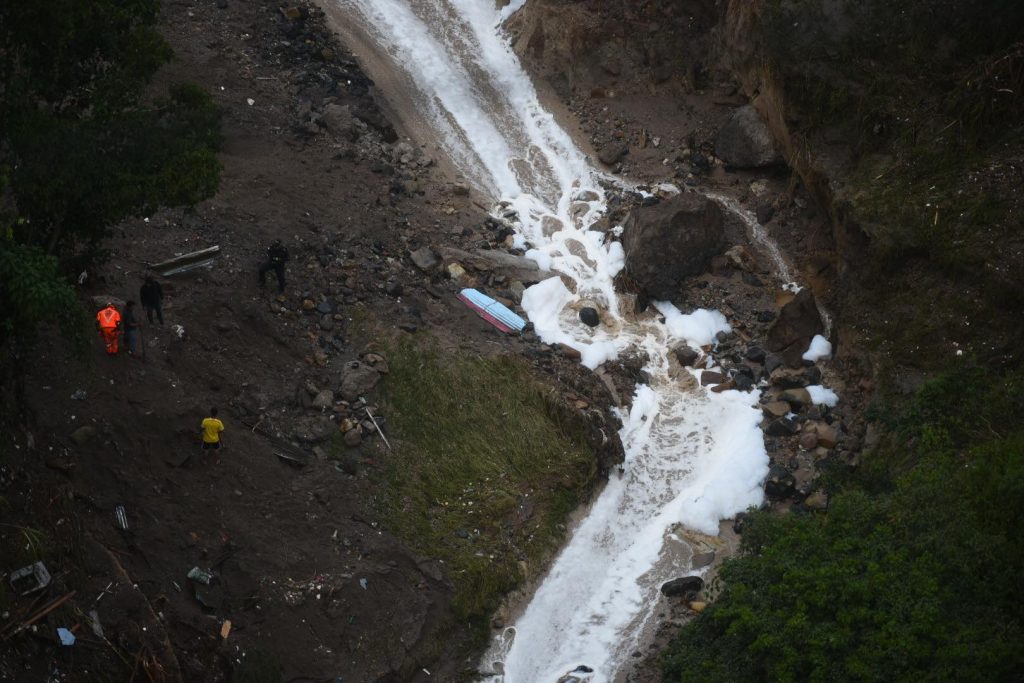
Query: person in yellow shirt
[211,429]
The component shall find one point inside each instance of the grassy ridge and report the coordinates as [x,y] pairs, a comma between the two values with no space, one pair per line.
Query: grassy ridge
[484,473]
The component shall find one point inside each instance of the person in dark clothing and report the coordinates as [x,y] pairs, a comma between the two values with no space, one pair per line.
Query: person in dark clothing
[131,329]
[276,257]
[152,296]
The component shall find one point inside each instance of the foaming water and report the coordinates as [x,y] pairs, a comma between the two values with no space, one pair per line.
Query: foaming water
[692,457]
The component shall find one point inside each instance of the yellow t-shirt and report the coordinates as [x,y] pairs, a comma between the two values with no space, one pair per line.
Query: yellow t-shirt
[212,427]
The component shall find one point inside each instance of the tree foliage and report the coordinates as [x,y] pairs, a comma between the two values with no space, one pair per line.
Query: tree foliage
[911,581]
[84,144]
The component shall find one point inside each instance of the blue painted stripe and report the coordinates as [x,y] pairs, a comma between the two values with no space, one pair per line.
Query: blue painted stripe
[499,311]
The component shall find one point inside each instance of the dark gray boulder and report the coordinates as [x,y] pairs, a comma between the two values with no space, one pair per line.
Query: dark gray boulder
[671,241]
[798,322]
[745,141]
[682,586]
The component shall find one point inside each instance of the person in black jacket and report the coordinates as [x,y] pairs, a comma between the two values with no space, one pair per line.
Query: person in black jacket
[276,257]
[152,297]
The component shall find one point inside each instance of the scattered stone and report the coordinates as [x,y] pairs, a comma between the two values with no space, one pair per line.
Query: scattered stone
[308,305]
[353,437]
[324,399]
[83,435]
[686,355]
[357,380]
[589,316]
[682,586]
[764,212]
[780,483]
[455,271]
[326,323]
[755,354]
[612,153]
[799,398]
[782,426]
[808,441]
[816,501]
[709,377]
[325,308]
[742,258]
[338,119]
[698,605]
[774,409]
[517,289]
[669,242]
[425,259]
[743,382]
[745,140]
[408,327]
[569,352]
[827,435]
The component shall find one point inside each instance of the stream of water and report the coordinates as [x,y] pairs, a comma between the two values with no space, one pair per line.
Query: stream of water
[692,457]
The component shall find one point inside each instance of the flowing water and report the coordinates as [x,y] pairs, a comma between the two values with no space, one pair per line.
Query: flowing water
[692,457]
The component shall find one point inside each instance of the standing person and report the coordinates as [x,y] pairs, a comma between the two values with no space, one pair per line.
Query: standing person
[276,257]
[151,294]
[108,322]
[211,429]
[131,329]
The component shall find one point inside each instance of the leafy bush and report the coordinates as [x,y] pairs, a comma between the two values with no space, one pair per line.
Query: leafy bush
[911,583]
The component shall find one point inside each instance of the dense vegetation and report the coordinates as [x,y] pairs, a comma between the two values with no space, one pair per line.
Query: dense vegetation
[912,575]
[83,145]
[914,572]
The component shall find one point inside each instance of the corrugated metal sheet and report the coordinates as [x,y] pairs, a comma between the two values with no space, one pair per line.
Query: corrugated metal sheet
[493,312]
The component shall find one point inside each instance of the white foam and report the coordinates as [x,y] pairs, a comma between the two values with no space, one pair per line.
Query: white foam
[819,348]
[822,396]
[692,457]
[697,329]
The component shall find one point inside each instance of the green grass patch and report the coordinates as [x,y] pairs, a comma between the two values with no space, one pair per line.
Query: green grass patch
[485,470]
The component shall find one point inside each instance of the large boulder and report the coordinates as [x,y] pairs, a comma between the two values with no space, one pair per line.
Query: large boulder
[798,322]
[745,141]
[671,241]
[357,380]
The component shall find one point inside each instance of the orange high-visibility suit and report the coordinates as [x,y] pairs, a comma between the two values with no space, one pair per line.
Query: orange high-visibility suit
[108,320]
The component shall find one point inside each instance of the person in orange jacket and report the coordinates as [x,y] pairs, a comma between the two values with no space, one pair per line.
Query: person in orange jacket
[108,322]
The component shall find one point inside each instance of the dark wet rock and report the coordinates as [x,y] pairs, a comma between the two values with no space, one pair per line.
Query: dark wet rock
[612,153]
[797,397]
[669,242]
[798,322]
[743,382]
[682,586]
[589,316]
[764,212]
[686,355]
[780,483]
[765,316]
[709,377]
[782,426]
[772,361]
[745,141]
[755,354]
